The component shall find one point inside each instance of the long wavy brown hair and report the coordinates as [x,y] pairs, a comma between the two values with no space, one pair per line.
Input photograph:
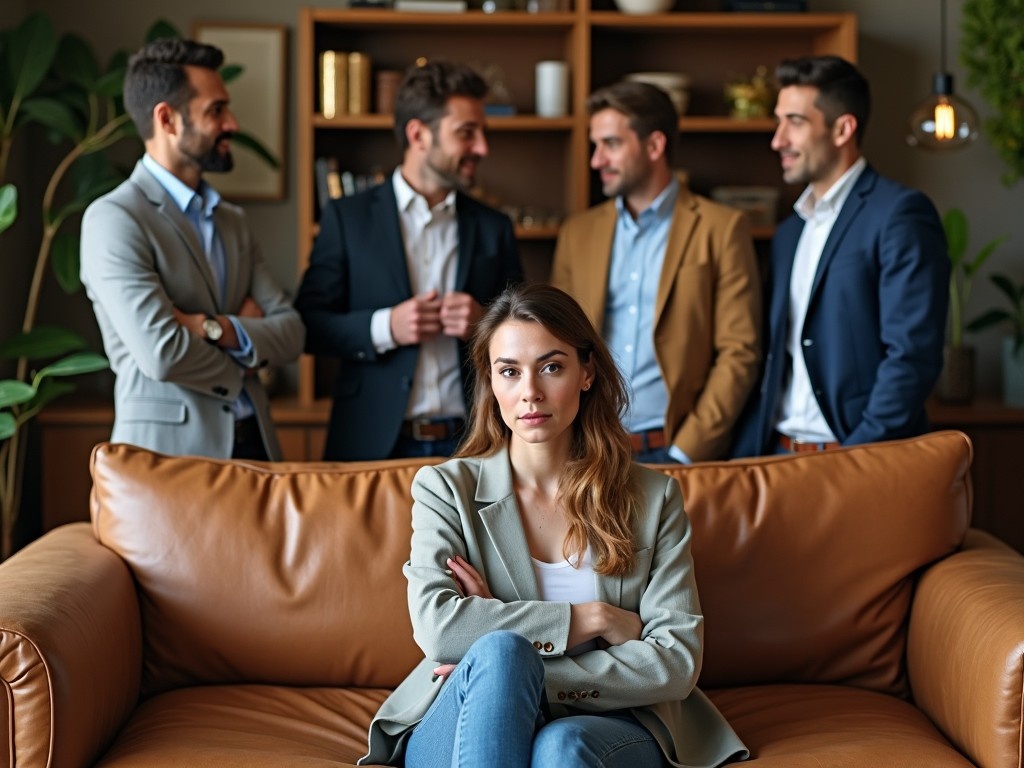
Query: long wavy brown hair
[597,490]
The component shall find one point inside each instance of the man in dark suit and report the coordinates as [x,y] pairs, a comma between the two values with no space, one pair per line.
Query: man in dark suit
[858,286]
[399,275]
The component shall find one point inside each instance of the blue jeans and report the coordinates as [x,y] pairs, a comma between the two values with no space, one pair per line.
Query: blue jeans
[489,714]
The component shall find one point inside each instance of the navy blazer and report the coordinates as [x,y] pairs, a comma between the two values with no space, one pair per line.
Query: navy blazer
[358,266]
[875,327]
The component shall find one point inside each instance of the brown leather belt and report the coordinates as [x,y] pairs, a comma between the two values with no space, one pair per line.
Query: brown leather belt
[432,430]
[800,446]
[650,440]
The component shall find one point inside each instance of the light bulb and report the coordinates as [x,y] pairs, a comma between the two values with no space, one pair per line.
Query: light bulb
[943,121]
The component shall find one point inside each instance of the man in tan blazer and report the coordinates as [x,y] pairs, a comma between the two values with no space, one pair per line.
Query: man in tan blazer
[669,277]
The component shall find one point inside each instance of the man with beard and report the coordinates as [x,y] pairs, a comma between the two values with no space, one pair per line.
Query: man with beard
[669,277]
[187,308]
[399,275]
[859,281]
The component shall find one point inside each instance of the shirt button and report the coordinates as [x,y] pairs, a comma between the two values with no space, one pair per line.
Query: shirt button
[548,647]
[632,310]
[808,342]
[629,347]
[634,276]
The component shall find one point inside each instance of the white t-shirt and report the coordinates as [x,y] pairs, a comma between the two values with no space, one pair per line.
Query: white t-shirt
[563,582]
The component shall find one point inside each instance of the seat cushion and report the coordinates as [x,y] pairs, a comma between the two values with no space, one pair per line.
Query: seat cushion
[813,726]
[247,726]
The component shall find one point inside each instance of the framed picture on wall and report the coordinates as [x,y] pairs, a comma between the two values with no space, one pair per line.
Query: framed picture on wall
[257,101]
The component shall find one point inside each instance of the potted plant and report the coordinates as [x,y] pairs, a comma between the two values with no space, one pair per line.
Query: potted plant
[1013,345]
[993,55]
[956,381]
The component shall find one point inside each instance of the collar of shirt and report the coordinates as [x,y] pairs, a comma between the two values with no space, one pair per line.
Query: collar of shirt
[661,207]
[807,206]
[413,203]
[203,201]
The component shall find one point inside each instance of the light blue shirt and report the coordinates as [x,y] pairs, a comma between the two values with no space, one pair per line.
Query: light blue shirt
[198,207]
[638,253]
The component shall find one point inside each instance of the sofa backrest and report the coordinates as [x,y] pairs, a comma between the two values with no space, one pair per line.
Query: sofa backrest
[291,573]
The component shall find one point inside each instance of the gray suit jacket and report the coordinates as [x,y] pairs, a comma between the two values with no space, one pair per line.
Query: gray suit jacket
[468,507]
[140,258]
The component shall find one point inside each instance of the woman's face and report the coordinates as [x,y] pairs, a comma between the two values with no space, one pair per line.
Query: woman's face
[537,380]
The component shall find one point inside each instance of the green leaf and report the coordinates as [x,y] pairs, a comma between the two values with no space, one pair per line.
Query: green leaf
[73,365]
[50,390]
[162,28]
[8,426]
[42,341]
[8,205]
[13,392]
[955,224]
[76,63]
[231,72]
[30,51]
[64,254]
[243,139]
[55,115]
[1004,284]
[971,268]
[111,84]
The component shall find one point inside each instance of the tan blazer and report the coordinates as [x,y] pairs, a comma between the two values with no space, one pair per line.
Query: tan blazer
[707,318]
[468,507]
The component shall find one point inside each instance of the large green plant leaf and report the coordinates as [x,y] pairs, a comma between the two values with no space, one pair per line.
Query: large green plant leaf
[65,259]
[76,63]
[41,342]
[231,72]
[988,319]
[30,50]
[73,365]
[55,115]
[14,392]
[8,205]
[243,139]
[49,390]
[955,223]
[8,426]
[160,29]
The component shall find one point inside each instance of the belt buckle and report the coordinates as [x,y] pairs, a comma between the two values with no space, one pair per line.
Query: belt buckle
[417,425]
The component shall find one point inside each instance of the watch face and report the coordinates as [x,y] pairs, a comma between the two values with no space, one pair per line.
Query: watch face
[212,329]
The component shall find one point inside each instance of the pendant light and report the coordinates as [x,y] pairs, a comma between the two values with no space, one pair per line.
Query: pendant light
[943,121]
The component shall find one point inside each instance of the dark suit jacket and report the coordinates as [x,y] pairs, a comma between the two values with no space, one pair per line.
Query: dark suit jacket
[873,336]
[358,266]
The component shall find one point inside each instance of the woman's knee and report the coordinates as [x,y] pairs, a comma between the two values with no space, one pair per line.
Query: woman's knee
[509,652]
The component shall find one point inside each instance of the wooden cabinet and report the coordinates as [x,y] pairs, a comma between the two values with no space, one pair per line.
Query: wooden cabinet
[542,164]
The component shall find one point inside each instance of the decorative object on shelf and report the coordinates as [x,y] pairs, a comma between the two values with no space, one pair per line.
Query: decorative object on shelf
[644,7]
[760,203]
[552,88]
[431,6]
[943,121]
[257,101]
[956,380]
[750,98]
[1013,345]
[387,81]
[675,84]
[783,6]
[499,100]
[990,49]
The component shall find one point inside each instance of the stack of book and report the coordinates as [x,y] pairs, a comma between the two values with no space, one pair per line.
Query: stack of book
[333,183]
[431,6]
[344,83]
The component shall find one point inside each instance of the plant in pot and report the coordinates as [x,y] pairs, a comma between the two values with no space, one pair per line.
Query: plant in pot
[57,85]
[1013,345]
[956,381]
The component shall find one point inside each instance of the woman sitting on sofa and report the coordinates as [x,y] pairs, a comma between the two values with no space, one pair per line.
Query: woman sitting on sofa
[551,586]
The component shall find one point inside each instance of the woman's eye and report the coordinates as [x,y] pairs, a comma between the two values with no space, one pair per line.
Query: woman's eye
[552,368]
[507,372]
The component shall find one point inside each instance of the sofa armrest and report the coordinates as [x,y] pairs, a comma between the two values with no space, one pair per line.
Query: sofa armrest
[965,646]
[70,649]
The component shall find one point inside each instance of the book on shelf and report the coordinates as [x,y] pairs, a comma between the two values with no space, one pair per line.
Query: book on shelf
[333,83]
[431,6]
[328,180]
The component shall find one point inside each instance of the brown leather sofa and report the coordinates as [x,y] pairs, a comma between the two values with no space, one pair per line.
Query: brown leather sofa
[220,614]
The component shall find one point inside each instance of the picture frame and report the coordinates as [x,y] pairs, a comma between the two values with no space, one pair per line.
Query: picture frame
[257,101]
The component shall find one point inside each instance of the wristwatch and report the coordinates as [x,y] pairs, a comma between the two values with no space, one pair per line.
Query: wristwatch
[212,329]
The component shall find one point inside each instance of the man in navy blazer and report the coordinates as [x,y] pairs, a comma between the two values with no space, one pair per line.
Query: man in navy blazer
[858,281]
[399,275]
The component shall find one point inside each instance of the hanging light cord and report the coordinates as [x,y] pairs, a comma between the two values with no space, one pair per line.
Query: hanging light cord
[942,40]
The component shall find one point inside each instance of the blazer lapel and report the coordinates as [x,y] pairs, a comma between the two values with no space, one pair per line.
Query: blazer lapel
[504,527]
[684,219]
[592,287]
[467,240]
[387,227]
[851,209]
[157,195]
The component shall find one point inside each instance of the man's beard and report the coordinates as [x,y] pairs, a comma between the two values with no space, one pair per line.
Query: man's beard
[211,160]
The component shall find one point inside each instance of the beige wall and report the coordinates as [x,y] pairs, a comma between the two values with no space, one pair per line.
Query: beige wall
[899,50]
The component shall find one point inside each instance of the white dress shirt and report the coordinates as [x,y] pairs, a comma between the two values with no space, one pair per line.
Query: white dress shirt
[431,240]
[800,416]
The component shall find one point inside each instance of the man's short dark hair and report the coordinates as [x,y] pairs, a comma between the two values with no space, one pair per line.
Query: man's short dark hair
[425,90]
[156,73]
[646,107]
[842,89]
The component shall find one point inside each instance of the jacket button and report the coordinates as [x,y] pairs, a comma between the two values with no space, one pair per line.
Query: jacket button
[360,355]
[537,644]
[583,694]
[595,694]
[808,342]
[561,695]
[262,363]
[222,391]
[573,695]
[226,408]
[548,647]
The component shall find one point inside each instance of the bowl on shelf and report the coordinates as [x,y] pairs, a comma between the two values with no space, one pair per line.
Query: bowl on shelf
[675,84]
[643,7]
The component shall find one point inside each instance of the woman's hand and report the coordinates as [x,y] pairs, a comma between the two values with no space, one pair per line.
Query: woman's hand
[469,579]
[603,621]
